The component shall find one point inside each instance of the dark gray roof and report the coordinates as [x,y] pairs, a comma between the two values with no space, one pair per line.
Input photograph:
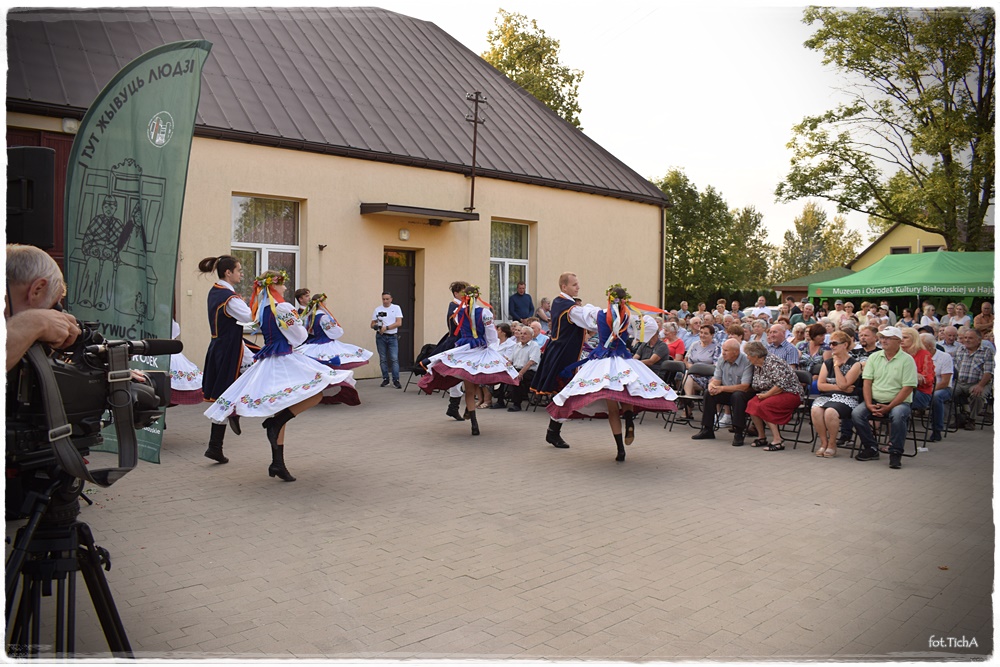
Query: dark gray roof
[361,82]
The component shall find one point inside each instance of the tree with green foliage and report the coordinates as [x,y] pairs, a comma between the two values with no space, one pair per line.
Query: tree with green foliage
[530,58]
[815,244]
[708,246]
[916,143]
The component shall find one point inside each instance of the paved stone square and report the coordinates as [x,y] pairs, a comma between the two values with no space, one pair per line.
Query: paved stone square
[404,537]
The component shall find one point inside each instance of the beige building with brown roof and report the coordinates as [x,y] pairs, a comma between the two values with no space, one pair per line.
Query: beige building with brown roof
[333,142]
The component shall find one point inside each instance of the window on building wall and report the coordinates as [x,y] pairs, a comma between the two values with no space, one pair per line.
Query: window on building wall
[508,263]
[265,236]
[932,248]
[904,250]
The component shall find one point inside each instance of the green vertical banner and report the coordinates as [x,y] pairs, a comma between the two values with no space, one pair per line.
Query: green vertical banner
[124,198]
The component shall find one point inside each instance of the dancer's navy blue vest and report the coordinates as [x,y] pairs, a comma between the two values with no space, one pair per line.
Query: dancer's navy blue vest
[318,337]
[225,351]
[564,347]
[465,331]
[275,343]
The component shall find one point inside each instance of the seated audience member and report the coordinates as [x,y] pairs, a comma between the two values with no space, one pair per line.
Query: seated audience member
[780,347]
[805,316]
[929,316]
[890,376]
[907,319]
[814,350]
[793,307]
[784,311]
[709,320]
[761,311]
[505,346]
[983,322]
[884,304]
[729,386]
[544,314]
[701,312]
[949,315]
[786,324]
[692,332]
[735,311]
[867,343]
[912,345]
[828,323]
[944,369]
[673,341]
[653,352]
[524,358]
[738,333]
[34,286]
[720,309]
[683,311]
[798,333]
[540,337]
[840,385]
[758,331]
[778,394]
[961,318]
[973,375]
[722,334]
[703,351]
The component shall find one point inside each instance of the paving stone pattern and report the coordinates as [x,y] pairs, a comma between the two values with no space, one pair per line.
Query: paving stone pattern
[404,537]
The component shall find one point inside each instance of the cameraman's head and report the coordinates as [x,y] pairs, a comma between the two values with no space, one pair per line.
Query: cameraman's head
[33,280]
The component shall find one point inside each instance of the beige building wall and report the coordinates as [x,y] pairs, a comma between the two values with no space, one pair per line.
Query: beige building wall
[900,236]
[603,239]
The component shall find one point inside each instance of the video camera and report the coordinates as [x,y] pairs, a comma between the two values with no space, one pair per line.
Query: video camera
[91,379]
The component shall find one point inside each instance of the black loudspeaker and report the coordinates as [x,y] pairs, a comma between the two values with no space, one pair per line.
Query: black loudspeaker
[30,193]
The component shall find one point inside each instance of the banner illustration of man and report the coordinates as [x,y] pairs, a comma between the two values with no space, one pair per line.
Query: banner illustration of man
[125,186]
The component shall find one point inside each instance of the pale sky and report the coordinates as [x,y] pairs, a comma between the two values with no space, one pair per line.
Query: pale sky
[713,90]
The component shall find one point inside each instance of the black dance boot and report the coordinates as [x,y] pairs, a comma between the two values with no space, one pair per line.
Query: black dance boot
[277,467]
[629,428]
[621,448]
[214,450]
[274,424]
[453,403]
[475,424]
[234,423]
[552,435]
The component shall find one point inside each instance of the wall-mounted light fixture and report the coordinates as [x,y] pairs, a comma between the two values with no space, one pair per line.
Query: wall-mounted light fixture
[404,234]
[70,125]
[322,247]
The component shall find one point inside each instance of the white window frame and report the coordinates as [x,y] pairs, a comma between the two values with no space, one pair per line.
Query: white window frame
[505,264]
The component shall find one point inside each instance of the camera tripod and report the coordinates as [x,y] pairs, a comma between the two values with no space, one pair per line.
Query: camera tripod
[52,547]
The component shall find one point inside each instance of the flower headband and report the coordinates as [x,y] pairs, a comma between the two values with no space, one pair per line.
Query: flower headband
[472,291]
[616,287]
[272,277]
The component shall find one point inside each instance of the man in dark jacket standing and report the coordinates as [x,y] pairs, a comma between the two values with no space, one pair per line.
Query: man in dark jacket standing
[520,306]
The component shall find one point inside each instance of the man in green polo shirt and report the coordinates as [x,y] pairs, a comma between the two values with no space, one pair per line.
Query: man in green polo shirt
[890,376]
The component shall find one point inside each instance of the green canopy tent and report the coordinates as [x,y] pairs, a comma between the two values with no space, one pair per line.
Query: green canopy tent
[961,275]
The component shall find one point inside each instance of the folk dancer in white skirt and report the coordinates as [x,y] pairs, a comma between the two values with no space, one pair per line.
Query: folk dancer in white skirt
[610,382]
[281,384]
[324,344]
[185,376]
[474,360]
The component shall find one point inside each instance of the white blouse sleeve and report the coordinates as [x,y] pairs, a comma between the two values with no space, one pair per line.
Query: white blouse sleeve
[293,329]
[491,329]
[584,316]
[330,327]
[239,310]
